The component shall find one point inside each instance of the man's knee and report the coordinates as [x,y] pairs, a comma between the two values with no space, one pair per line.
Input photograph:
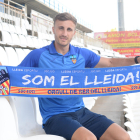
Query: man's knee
[83,134]
[92,137]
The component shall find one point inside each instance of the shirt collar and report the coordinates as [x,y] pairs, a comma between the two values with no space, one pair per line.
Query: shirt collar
[52,49]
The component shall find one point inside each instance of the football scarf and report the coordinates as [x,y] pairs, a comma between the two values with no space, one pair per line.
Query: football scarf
[38,82]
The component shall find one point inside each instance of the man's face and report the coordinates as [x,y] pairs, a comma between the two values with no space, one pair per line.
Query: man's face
[63,32]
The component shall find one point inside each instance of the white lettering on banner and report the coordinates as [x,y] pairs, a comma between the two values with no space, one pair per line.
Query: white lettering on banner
[51,79]
[87,83]
[121,80]
[39,82]
[25,78]
[130,76]
[70,80]
[106,78]
[63,79]
[95,81]
[113,79]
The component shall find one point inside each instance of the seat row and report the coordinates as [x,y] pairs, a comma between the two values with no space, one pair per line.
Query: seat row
[132,107]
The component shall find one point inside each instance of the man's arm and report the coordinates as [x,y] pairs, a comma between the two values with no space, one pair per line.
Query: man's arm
[0,63]
[116,62]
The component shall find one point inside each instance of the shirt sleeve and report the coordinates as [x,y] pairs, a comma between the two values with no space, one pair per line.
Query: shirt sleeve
[91,58]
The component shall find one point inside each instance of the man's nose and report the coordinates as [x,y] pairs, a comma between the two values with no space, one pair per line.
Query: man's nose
[65,32]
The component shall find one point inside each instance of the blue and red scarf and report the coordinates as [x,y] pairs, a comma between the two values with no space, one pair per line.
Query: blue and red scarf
[38,82]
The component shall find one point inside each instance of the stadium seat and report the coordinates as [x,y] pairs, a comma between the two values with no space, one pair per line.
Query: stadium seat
[18,29]
[24,112]
[12,28]
[8,125]
[23,41]
[24,31]
[3,57]
[15,39]
[131,128]
[132,135]
[26,51]
[36,42]
[5,26]
[30,41]
[12,56]
[89,102]
[37,112]
[7,122]
[45,42]
[41,43]
[20,53]
[6,38]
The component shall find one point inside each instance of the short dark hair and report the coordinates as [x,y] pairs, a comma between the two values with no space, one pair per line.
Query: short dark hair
[65,16]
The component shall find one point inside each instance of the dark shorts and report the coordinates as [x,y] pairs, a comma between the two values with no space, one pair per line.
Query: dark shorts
[66,124]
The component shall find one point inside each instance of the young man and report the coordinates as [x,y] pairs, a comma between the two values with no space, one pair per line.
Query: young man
[68,117]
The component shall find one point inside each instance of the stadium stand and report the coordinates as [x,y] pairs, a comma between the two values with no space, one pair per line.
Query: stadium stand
[18,37]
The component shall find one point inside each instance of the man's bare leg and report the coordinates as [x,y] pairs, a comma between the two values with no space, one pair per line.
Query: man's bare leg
[115,132]
[83,134]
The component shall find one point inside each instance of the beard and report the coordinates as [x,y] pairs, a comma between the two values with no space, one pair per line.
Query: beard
[61,43]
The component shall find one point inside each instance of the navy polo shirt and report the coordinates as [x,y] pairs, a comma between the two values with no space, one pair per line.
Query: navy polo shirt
[48,57]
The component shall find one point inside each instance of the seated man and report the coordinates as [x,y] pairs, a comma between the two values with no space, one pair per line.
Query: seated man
[68,117]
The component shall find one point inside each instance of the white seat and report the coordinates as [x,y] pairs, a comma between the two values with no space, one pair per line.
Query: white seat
[132,135]
[8,125]
[45,42]
[6,38]
[26,51]
[20,53]
[37,112]
[24,31]
[5,26]
[7,122]
[35,42]
[17,21]
[12,56]
[89,102]
[41,43]
[12,28]
[23,41]
[15,39]
[25,116]
[24,112]
[130,127]
[3,57]
[29,41]
[18,30]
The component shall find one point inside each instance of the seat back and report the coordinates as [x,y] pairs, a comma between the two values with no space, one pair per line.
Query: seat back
[21,54]
[15,39]
[3,56]
[12,56]
[25,116]
[6,37]
[8,129]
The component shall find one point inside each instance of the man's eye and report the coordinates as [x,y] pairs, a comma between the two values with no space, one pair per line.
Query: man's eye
[69,29]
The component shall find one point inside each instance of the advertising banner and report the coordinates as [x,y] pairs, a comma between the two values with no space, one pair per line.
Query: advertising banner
[120,38]
[130,52]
